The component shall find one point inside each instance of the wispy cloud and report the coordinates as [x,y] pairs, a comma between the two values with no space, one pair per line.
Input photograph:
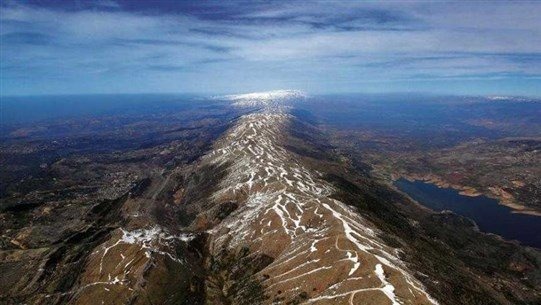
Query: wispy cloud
[26,38]
[130,46]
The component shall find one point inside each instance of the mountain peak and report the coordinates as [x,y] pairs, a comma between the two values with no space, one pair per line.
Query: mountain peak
[266,98]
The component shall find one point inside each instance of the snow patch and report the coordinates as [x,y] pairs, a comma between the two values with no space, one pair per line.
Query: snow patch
[267,98]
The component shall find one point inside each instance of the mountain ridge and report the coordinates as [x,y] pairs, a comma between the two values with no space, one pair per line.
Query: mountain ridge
[273,182]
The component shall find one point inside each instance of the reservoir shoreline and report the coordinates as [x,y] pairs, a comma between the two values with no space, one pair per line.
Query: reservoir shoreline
[470,192]
[490,216]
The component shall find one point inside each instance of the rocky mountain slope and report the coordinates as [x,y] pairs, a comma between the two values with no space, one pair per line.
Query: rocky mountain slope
[321,250]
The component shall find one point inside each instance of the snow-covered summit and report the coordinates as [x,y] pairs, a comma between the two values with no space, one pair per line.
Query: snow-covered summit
[267,98]
[510,98]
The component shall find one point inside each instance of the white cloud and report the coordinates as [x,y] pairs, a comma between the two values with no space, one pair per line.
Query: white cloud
[296,42]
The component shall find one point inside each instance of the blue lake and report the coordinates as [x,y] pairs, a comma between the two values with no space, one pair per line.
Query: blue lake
[490,216]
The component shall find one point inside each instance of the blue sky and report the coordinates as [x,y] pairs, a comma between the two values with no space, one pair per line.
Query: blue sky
[107,46]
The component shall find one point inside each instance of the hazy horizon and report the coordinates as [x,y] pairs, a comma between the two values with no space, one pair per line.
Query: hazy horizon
[311,94]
